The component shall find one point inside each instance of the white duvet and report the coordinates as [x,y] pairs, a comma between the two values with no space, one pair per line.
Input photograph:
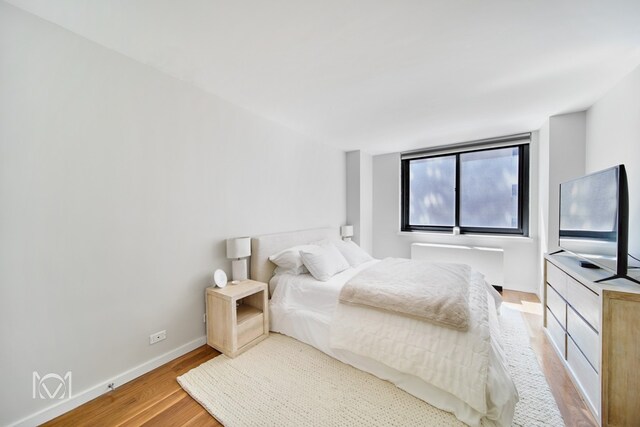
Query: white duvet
[461,372]
[454,361]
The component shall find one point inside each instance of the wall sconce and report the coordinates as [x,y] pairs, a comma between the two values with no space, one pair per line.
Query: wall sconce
[346,231]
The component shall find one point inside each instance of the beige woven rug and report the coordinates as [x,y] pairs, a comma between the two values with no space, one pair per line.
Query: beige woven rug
[283,382]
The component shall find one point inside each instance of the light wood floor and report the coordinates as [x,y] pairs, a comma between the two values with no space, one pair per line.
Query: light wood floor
[573,409]
[156,399]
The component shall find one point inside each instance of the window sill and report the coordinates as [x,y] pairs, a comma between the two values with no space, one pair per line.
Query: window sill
[466,237]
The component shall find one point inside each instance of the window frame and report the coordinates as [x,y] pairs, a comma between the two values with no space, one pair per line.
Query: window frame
[523,194]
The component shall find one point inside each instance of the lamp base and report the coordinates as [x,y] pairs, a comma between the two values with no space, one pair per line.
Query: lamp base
[239,269]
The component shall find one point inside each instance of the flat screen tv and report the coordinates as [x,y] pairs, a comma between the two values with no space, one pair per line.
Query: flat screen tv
[594,219]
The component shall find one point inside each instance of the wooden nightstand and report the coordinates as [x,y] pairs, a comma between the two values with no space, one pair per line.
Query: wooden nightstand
[237,316]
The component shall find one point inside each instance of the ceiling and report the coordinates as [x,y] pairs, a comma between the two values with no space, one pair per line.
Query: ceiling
[380,76]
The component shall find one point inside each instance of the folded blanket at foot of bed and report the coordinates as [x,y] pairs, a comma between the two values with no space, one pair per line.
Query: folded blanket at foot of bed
[435,292]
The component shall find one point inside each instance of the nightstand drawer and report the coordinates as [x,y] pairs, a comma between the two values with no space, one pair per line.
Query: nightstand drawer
[250,329]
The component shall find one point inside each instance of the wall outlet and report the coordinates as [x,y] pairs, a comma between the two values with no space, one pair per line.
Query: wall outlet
[158,336]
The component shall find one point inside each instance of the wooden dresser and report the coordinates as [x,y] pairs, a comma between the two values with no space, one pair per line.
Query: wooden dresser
[595,328]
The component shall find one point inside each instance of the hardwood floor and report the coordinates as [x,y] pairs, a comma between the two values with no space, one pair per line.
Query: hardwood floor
[573,409]
[156,399]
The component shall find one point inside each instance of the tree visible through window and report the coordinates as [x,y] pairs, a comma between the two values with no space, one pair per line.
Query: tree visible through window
[432,197]
[480,191]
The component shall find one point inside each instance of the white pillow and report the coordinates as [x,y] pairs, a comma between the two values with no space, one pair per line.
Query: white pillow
[324,261]
[353,253]
[288,260]
[294,271]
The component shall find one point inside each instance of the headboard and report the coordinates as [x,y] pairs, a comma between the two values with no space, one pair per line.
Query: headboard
[266,245]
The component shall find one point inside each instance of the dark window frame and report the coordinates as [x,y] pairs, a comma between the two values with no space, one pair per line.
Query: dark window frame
[522,228]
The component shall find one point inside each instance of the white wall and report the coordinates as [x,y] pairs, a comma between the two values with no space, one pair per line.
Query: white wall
[360,197]
[366,201]
[353,192]
[566,146]
[521,255]
[118,185]
[543,193]
[562,154]
[613,137]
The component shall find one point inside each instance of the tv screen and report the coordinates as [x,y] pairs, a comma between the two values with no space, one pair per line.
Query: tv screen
[591,221]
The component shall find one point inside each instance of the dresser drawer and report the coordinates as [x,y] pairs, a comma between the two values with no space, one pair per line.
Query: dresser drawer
[557,306]
[557,334]
[585,337]
[557,278]
[584,301]
[585,375]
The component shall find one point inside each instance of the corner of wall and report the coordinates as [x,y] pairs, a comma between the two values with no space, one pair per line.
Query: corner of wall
[360,197]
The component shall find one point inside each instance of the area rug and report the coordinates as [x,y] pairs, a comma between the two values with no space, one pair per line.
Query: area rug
[283,382]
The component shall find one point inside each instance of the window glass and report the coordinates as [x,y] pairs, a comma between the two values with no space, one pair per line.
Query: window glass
[481,191]
[489,188]
[432,185]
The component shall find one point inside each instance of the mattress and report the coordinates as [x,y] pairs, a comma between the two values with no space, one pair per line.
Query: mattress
[303,307]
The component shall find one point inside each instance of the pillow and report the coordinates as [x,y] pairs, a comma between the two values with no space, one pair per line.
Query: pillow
[288,260]
[324,261]
[353,253]
[294,271]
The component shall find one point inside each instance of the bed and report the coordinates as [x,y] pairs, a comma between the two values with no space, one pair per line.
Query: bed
[308,310]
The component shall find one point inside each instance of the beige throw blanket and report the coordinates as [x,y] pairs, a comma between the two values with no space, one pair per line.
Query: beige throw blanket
[436,292]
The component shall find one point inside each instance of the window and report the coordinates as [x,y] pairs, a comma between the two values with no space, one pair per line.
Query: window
[481,188]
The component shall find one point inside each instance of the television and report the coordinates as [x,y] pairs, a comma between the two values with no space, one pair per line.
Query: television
[594,220]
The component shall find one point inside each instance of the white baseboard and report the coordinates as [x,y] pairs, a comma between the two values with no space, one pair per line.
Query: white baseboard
[84,396]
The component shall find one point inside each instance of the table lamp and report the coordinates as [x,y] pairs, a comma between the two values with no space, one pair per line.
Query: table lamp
[238,249]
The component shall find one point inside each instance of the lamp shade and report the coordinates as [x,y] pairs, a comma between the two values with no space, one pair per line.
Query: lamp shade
[239,247]
[346,231]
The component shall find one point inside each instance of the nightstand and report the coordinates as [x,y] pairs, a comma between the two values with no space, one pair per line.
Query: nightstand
[237,316]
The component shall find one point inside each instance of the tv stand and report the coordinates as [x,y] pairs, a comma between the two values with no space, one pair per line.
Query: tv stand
[617,276]
[592,322]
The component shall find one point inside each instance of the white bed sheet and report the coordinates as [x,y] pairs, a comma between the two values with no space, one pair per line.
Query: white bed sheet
[302,307]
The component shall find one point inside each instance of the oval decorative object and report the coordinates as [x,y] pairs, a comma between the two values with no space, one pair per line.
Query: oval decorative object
[220,278]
